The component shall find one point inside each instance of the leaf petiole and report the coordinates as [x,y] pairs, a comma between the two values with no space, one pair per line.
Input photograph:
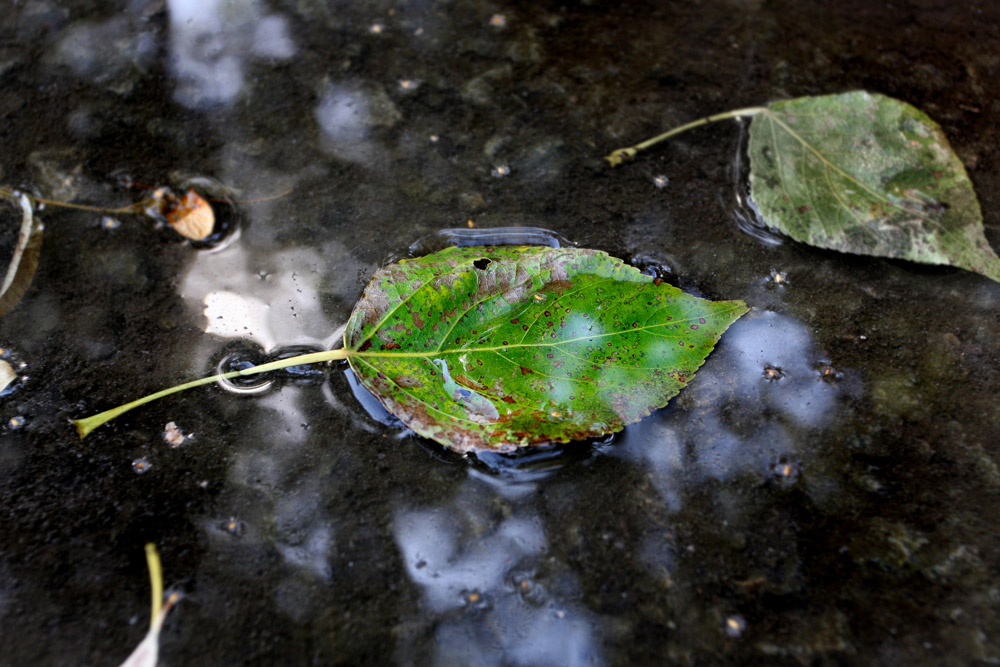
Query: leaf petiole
[131,208]
[85,426]
[616,157]
[155,582]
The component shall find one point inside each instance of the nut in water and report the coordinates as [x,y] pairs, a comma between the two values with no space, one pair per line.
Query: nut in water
[191,216]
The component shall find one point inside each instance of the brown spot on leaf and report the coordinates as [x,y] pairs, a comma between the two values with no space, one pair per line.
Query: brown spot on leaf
[407,381]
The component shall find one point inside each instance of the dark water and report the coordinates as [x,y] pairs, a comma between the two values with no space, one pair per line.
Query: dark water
[840,508]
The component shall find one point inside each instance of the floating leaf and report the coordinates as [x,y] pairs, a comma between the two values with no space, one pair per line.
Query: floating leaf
[498,348]
[861,173]
[24,260]
[494,348]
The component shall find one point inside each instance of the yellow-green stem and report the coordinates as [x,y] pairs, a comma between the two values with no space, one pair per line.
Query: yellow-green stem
[616,157]
[85,426]
[155,582]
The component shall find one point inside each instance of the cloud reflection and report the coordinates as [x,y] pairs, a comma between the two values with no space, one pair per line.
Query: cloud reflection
[347,113]
[745,410]
[210,42]
[486,587]
[433,553]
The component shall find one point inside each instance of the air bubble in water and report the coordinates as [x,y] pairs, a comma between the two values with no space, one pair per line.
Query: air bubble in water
[241,356]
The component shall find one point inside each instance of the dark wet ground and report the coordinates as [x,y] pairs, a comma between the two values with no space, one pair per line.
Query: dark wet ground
[846,512]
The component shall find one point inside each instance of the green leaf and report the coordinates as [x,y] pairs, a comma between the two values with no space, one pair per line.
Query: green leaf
[861,173]
[866,174]
[496,348]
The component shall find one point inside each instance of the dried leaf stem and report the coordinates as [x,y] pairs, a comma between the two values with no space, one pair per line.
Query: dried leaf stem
[616,157]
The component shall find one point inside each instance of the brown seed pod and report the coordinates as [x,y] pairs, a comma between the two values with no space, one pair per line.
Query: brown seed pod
[191,216]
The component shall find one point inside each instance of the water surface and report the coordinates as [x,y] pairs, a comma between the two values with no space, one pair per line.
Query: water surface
[825,491]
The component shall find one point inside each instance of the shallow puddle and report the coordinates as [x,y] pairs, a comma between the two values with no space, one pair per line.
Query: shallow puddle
[825,490]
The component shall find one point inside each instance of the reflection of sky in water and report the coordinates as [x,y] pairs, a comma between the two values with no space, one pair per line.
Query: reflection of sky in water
[346,115]
[733,418]
[210,41]
[275,300]
[480,577]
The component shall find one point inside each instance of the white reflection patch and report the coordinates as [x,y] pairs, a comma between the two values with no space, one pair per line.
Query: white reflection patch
[283,306]
[232,315]
[444,563]
[776,341]
[312,553]
[346,114]
[741,411]
[210,41]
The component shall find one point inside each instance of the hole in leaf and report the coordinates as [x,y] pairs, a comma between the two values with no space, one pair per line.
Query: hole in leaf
[482,264]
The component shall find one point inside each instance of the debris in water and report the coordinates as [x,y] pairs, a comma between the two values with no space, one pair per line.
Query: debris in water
[773,373]
[776,278]
[234,527]
[735,626]
[173,436]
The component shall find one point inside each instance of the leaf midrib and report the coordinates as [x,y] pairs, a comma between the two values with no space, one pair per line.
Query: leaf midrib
[495,348]
[847,175]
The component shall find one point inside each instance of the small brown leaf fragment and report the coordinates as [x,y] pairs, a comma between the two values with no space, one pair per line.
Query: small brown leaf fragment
[191,216]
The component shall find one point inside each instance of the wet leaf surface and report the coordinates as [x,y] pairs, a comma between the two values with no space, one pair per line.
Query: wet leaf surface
[867,174]
[497,348]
